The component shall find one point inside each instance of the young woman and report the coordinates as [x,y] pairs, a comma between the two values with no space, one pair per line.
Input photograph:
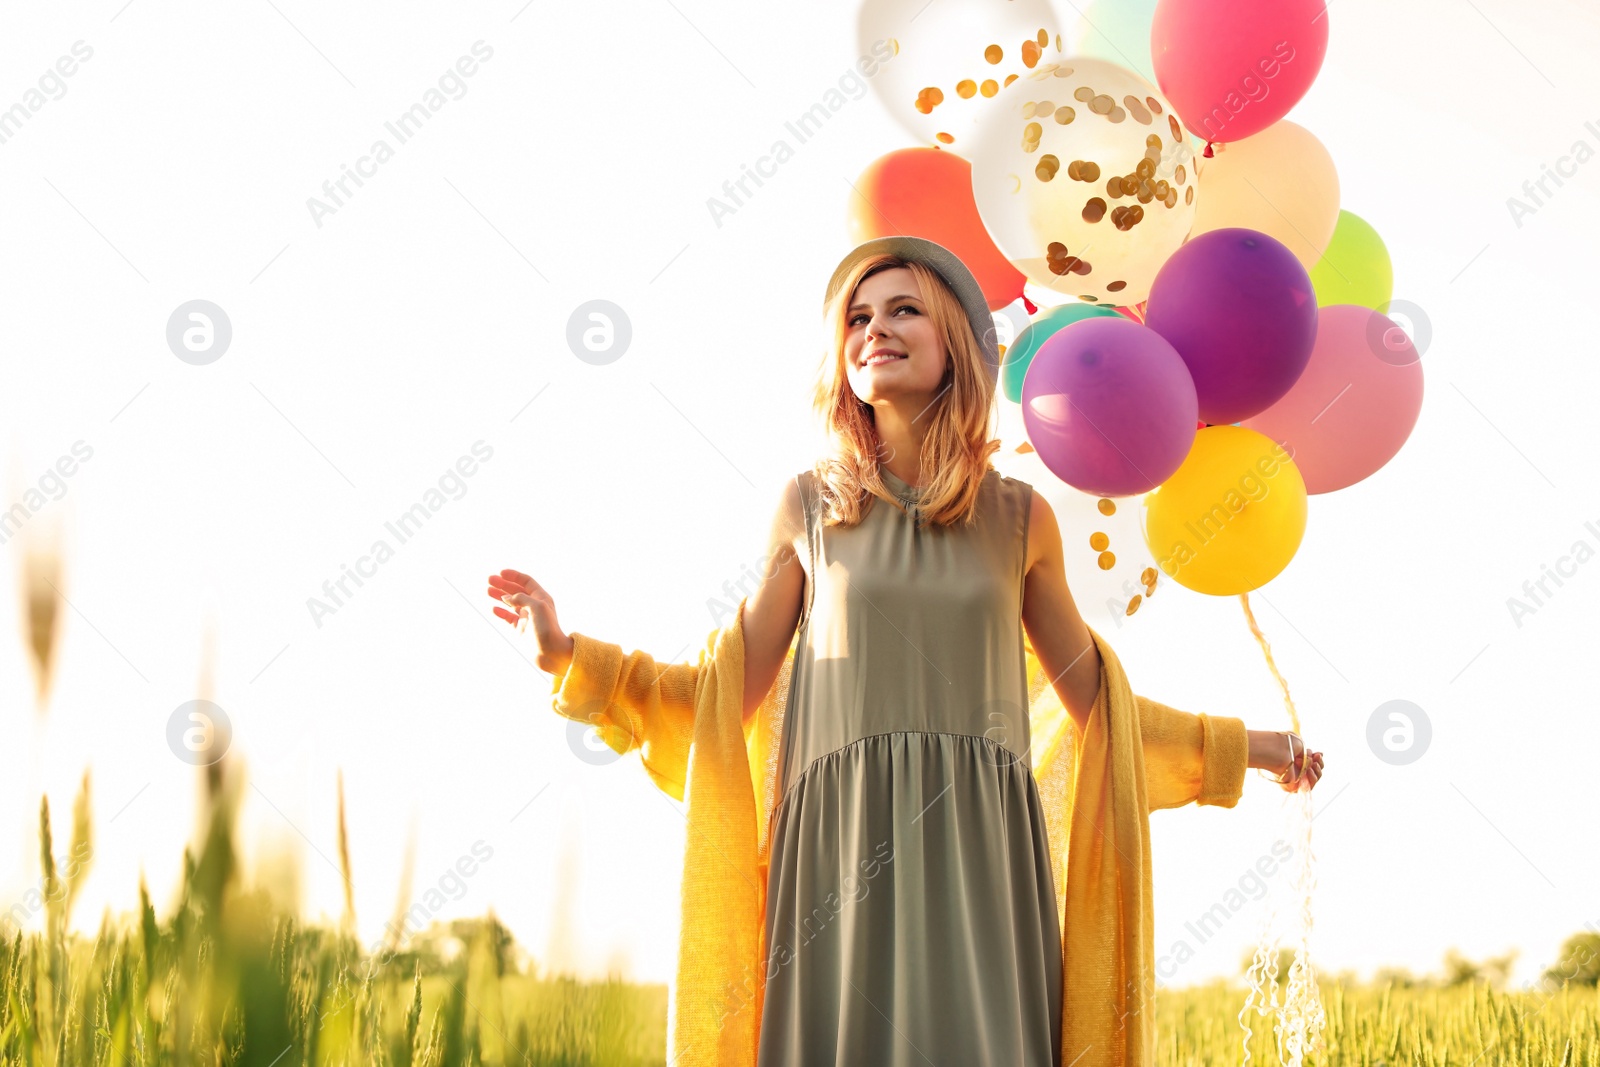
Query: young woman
[910,869]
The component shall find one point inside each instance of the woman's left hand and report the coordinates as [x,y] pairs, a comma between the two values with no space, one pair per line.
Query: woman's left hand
[1306,771]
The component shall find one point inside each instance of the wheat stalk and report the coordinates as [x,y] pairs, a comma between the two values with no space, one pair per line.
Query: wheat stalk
[344,862]
[41,600]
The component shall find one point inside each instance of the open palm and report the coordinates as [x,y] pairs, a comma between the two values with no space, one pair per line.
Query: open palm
[526,602]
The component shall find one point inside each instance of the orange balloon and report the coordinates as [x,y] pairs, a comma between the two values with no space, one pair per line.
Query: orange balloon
[1280,181]
[927,192]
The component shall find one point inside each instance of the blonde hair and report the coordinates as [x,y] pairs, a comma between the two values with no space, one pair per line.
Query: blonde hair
[956,448]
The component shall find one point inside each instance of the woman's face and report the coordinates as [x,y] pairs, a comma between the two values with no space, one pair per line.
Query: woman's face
[887,317]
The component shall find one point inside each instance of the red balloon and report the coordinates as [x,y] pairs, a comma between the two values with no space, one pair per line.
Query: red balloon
[926,192]
[1231,68]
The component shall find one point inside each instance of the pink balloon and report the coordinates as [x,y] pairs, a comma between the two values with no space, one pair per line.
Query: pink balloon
[1232,68]
[1109,406]
[1355,403]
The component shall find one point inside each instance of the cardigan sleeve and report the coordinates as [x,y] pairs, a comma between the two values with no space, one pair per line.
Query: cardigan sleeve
[1191,758]
[633,702]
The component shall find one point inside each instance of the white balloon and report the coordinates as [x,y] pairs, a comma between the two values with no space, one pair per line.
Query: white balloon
[953,58]
[1085,180]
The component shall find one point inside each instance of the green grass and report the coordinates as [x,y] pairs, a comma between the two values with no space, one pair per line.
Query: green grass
[229,978]
[1427,1026]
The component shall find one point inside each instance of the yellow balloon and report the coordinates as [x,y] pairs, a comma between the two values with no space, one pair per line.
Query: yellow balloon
[1085,179]
[1231,517]
[1281,181]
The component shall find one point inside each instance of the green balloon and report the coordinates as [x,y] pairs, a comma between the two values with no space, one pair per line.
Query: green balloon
[1015,366]
[1355,269]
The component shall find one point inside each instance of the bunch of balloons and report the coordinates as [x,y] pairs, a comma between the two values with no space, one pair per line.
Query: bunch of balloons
[1214,333]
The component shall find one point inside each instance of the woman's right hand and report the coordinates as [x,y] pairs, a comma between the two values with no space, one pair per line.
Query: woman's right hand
[527,601]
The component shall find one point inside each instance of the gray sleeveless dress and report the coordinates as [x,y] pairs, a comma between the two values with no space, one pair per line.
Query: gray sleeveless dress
[911,909]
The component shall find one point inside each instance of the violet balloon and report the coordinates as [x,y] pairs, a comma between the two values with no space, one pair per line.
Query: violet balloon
[1109,407]
[1240,310]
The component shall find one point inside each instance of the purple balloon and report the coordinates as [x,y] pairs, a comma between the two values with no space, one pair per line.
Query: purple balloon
[1109,406]
[1240,310]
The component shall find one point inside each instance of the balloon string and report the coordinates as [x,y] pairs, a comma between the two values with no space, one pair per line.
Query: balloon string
[1266,650]
[1299,1022]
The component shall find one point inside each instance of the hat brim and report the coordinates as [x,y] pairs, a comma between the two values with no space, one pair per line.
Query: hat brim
[949,267]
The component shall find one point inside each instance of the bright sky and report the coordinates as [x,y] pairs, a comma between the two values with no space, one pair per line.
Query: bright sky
[429,313]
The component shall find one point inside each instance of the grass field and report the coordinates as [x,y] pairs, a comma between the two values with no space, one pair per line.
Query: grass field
[226,978]
[271,993]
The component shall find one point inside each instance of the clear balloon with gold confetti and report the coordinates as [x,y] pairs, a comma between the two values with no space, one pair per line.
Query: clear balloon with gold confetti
[1108,565]
[949,61]
[1085,179]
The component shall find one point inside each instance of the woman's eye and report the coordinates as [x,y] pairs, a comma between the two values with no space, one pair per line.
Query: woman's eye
[903,307]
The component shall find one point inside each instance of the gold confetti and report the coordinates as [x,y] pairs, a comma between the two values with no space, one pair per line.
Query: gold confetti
[1107,506]
[1065,115]
[1108,560]
[1048,165]
[1099,541]
[1059,262]
[994,53]
[1083,170]
[1126,216]
[929,99]
[1094,209]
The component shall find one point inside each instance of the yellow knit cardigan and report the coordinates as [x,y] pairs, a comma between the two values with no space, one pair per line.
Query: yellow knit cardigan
[1098,788]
